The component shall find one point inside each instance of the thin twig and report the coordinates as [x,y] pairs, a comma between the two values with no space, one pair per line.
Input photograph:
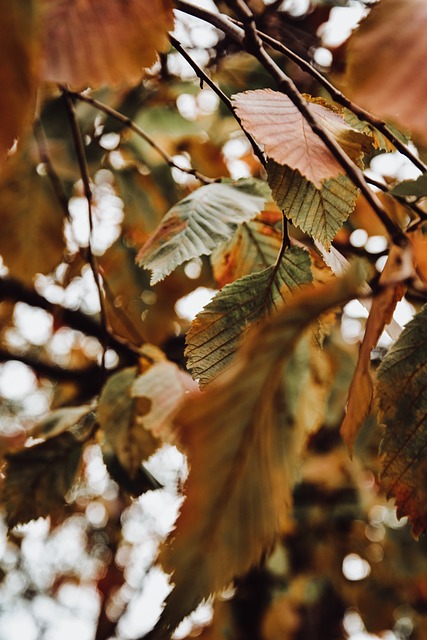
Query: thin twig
[222,96]
[120,313]
[252,43]
[81,158]
[130,124]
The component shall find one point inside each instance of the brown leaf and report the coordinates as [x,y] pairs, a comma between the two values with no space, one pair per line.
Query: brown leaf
[96,42]
[20,56]
[242,444]
[386,63]
[276,123]
[397,269]
[31,238]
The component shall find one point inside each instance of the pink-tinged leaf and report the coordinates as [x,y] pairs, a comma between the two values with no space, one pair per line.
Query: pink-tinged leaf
[277,124]
[96,42]
[387,70]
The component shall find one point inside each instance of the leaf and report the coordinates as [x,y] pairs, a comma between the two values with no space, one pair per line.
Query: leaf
[277,124]
[121,417]
[196,225]
[402,404]
[318,212]
[140,483]
[60,420]
[380,77]
[379,141]
[254,246]
[216,331]
[417,188]
[395,272]
[242,449]
[31,239]
[96,42]
[39,477]
[20,55]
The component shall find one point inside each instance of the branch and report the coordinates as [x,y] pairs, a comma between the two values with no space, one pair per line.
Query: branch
[251,42]
[81,157]
[130,124]
[84,375]
[225,99]
[11,289]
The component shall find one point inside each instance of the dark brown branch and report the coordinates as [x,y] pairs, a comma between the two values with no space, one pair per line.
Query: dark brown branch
[84,171]
[224,98]
[83,375]
[11,289]
[130,124]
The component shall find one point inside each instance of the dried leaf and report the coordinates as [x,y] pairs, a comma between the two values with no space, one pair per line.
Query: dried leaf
[276,123]
[254,246]
[196,225]
[402,404]
[20,56]
[318,212]
[39,477]
[242,448]
[216,331]
[381,313]
[121,416]
[31,239]
[96,42]
[382,56]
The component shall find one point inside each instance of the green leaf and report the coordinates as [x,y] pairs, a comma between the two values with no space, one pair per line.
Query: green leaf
[254,246]
[196,225]
[416,187]
[216,331]
[242,446]
[402,403]
[39,477]
[121,418]
[318,212]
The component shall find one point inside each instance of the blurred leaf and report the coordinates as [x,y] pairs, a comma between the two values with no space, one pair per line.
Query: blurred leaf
[402,403]
[19,70]
[31,239]
[277,124]
[379,76]
[242,449]
[254,246]
[39,477]
[416,187]
[141,482]
[121,416]
[398,268]
[196,225]
[60,420]
[215,333]
[96,42]
[318,212]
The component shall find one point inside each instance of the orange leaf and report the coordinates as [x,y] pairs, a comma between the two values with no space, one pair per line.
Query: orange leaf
[398,267]
[19,52]
[386,63]
[96,42]
[277,124]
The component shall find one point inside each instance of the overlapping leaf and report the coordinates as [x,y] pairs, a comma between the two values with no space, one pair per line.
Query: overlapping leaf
[39,477]
[95,42]
[277,124]
[254,246]
[383,305]
[217,330]
[318,212]
[382,76]
[402,401]
[417,188]
[196,225]
[31,238]
[242,448]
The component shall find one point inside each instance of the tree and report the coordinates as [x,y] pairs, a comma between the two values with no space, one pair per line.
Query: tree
[138,166]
